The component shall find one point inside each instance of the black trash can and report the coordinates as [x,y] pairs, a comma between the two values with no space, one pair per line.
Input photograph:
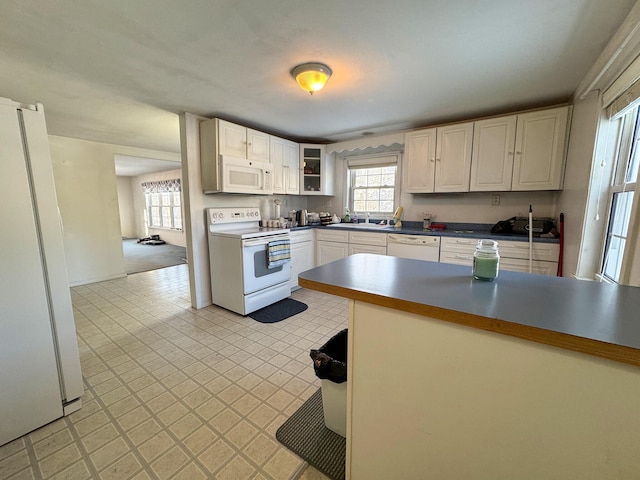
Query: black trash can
[330,365]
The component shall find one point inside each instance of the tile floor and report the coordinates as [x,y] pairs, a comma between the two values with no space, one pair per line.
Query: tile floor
[177,393]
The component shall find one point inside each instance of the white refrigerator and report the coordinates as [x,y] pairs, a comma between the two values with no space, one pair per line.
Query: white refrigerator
[40,377]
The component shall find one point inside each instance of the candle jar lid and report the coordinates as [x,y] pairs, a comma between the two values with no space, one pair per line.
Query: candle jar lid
[487,246]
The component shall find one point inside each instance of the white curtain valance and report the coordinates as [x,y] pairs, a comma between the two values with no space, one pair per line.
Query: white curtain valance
[366,144]
[162,186]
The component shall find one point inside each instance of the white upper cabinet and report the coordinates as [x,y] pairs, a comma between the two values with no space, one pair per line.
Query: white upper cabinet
[316,170]
[438,159]
[517,152]
[286,165]
[540,150]
[242,142]
[492,159]
[453,158]
[292,166]
[419,161]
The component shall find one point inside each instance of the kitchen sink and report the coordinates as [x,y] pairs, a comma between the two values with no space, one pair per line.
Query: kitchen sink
[372,226]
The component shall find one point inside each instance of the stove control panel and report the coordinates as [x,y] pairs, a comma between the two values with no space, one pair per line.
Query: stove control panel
[220,215]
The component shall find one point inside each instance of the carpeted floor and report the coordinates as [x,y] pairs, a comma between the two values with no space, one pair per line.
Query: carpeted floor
[142,258]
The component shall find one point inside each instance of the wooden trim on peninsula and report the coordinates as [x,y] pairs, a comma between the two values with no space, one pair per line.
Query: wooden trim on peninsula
[618,353]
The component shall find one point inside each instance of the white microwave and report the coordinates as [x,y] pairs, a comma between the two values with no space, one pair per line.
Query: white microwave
[240,175]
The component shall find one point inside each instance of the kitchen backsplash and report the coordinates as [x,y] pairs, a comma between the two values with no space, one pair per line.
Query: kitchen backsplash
[458,207]
[455,207]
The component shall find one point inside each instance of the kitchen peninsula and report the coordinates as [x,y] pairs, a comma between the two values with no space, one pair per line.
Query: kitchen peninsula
[449,377]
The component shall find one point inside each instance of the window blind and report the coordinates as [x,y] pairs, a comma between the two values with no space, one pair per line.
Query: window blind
[372,161]
[624,92]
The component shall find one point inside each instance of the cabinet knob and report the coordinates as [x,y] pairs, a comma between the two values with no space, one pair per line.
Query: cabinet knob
[432,160]
[437,159]
[510,153]
[518,153]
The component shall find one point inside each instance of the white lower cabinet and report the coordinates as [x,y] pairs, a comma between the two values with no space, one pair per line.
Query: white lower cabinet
[353,249]
[514,256]
[331,245]
[458,251]
[537,266]
[302,254]
[367,242]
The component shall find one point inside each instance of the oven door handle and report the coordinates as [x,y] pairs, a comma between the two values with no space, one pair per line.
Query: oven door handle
[263,241]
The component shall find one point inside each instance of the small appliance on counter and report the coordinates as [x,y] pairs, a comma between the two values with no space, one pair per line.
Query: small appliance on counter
[542,227]
[301,217]
[325,218]
[313,218]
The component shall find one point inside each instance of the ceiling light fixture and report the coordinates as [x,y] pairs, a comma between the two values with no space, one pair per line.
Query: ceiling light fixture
[311,76]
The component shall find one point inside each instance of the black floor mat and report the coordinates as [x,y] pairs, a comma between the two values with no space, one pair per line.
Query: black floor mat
[278,311]
[306,435]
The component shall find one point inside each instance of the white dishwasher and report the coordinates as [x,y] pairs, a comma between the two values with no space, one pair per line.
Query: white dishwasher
[419,247]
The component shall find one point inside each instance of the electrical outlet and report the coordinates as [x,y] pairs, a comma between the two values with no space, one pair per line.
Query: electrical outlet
[495,199]
[327,204]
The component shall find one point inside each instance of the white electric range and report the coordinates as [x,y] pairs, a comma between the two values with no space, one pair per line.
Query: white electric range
[241,280]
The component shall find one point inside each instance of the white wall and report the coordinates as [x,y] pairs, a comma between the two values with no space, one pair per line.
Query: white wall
[174,237]
[85,179]
[125,207]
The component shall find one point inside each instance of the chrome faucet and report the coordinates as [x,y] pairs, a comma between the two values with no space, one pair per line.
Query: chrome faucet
[367,215]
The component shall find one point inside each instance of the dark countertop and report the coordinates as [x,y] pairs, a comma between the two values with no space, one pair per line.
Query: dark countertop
[589,317]
[458,230]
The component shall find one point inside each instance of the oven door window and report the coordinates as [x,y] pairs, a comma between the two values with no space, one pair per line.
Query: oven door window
[260,265]
[256,275]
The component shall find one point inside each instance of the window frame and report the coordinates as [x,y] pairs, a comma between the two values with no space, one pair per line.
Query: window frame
[627,157]
[359,162]
[166,212]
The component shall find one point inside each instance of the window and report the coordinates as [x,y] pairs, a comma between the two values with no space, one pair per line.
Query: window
[163,205]
[373,184]
[621,196]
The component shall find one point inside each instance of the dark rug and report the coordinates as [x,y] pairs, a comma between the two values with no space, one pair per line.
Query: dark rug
[306,435]
[278,311]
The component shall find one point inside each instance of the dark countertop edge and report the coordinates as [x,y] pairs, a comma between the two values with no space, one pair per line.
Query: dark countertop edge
[569,341]
[441,233]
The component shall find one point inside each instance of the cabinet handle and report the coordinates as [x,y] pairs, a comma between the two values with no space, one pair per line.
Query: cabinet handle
[437,159]
[518,153]
[432,160]
[510,153]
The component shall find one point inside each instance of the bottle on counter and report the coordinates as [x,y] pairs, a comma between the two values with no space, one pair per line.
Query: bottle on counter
[347,216]
[486,260]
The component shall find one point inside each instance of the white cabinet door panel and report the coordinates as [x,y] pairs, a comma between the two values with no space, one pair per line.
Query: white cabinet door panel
[453,158]
[376,249]
[420,157]
[492,157]
[539,151]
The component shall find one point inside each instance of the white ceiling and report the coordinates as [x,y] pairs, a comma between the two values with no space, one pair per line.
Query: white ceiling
[128,166]
[120,71]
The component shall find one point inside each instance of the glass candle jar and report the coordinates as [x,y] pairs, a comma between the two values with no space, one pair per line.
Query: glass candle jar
[486,260]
